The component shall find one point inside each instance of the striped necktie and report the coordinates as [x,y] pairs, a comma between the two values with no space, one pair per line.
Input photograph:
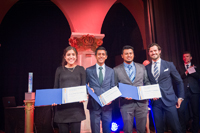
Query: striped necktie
[131,73]
[155,72]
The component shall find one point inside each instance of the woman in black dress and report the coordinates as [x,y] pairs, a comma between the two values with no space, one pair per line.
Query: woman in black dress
[69,116]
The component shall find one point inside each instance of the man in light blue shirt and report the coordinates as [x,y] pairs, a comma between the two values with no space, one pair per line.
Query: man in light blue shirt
[132,73]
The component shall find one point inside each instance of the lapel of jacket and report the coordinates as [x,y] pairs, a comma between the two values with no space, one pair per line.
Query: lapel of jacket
[182,68]
[162,64]
[192,64]
[149,67]
[137,67]
[106,74]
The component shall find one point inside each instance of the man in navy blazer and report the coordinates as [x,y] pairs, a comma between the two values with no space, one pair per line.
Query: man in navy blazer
[100,78]
[192,92]
[163,72]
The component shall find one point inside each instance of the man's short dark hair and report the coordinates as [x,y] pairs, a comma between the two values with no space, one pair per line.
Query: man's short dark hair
[127,47]
[154,44]
[100,48]
[187,52]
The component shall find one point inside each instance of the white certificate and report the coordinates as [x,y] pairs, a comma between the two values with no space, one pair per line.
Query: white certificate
[149,92]
[191,70]
[110,95]
[74,94]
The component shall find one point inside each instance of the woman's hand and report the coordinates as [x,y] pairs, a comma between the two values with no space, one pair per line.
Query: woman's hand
[128,98]
[54,104]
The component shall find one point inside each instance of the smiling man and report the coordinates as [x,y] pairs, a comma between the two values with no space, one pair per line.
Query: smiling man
[163,72]
[134,74]
[192,92]
[100,78]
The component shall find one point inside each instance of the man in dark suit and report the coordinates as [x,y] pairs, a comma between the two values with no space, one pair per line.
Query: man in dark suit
[100,78]
[192,91]
[163,72]
[134,74]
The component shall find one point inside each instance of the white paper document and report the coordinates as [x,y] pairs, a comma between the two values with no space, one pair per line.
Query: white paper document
[106,97]
[74,94]
[191,70]
[149,92]
[140,92]
[110,95]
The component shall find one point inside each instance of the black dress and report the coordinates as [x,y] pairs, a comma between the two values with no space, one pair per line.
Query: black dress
[64,77]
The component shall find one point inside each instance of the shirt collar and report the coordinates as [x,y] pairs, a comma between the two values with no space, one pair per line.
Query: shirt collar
[97,66]
[188,64]
[126,65]
[158,61]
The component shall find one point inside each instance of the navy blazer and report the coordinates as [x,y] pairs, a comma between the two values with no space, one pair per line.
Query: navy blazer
[191,79]
[93,80]
[167,73]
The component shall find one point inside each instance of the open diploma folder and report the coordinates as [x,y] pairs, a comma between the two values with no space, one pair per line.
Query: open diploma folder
[141,92]
[106,97]
[60,95]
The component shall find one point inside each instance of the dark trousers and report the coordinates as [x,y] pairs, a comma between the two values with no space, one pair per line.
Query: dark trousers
[193,98]
[74,127]
[134,110]
[105,116]
[159,108]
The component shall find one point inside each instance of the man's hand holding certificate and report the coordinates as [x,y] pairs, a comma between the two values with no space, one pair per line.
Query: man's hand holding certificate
[106,97]
[141,92]
[191,70]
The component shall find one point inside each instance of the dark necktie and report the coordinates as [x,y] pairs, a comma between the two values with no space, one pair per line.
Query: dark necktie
[100,75]
[155,72]
[187,66]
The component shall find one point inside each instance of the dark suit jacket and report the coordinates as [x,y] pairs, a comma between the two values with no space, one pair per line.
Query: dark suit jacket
[191,79]
[167,73]
[140,80]
[93,80]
